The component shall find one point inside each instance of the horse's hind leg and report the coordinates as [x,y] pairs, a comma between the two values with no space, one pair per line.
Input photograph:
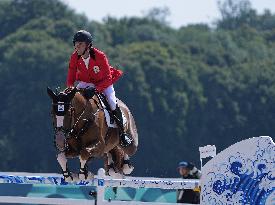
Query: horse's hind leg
[127,167]
[110,166]
[114,162]
[118,162]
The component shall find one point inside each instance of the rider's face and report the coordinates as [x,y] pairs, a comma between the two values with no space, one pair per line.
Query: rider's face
[183,171]
[80,47]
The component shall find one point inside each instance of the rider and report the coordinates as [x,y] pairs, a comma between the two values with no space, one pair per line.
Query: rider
[90,68]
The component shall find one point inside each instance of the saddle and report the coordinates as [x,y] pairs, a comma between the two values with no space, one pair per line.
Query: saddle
[88,93]
[107,110]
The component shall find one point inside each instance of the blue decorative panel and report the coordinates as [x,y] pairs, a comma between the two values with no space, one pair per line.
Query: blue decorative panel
[242,174]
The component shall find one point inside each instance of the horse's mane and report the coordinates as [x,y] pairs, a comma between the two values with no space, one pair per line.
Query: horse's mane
[67,90]
[80,100]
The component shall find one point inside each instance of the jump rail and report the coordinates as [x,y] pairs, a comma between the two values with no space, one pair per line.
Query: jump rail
[101,181]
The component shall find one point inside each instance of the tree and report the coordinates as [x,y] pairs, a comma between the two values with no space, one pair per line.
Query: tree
[158,14]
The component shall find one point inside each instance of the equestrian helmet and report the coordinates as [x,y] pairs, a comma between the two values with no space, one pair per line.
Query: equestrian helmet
[183,164]
[83,36]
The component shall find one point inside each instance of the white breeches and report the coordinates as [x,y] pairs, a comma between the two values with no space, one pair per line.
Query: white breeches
[109,92]
[83,85]
[111,96]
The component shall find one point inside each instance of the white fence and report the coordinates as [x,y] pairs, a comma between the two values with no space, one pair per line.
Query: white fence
[101,181]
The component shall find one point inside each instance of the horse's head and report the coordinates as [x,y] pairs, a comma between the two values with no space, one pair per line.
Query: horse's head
[61,101]
[61,104]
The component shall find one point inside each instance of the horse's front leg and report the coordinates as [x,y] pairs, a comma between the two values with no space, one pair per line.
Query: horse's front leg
[62,160]
[84,174]
[60,144]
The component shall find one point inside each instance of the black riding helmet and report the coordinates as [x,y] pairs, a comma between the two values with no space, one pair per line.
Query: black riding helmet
[83,36]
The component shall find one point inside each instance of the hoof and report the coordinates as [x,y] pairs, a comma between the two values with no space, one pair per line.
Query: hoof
[84,176]
[127,169]
[111,172]
[75,177]
[114,174]
[68,177]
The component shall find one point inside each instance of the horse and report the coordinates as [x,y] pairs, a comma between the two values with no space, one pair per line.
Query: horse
[81,130]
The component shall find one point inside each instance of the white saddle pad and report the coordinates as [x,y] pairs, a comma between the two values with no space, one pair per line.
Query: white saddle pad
[108,120]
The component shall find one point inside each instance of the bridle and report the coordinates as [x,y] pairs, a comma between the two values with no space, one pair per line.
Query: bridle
[72,131]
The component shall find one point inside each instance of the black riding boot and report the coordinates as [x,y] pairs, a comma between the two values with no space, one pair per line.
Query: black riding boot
[125,140]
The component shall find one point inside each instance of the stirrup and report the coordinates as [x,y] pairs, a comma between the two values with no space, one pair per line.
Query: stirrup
[67,174]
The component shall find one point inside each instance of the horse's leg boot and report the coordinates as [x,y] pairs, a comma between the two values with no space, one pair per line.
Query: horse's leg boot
[125,140]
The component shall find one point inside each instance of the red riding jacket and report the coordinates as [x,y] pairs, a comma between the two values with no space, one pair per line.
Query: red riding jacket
[100,73]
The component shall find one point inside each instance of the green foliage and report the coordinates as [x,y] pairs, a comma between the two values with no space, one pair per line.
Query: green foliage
[186,87]
[142,29]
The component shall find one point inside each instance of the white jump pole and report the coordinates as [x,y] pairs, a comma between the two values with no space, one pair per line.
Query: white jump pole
[37,200]
[104,181]
[101,181]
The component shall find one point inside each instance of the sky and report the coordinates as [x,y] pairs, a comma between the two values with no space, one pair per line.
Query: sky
[182,12]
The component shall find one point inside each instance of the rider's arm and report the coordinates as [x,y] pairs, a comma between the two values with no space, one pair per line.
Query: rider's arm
[107,77]
[194,171]
[72,71]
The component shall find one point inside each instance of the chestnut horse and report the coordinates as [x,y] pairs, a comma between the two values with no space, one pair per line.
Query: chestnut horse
[81,131]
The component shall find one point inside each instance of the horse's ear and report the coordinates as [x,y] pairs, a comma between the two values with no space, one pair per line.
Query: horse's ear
[51,93]
[72,93]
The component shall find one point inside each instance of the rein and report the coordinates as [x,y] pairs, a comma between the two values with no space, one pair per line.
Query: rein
[84,128]
[72,130]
